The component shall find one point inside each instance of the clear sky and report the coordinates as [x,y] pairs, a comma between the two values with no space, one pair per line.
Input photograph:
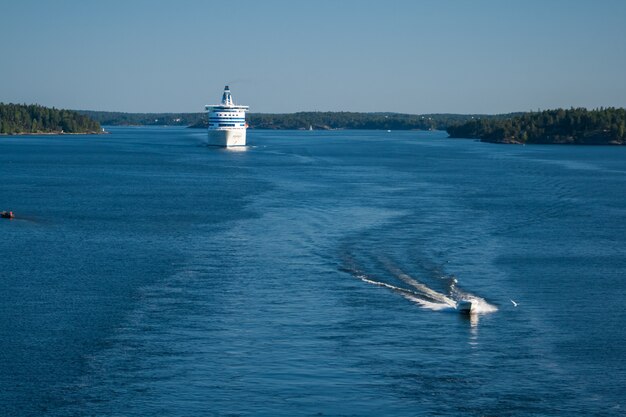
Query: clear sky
[431,56]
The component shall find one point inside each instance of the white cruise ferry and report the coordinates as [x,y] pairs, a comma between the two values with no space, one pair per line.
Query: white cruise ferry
[227,122]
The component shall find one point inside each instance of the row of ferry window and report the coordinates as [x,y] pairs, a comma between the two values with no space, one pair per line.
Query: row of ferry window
[224,124]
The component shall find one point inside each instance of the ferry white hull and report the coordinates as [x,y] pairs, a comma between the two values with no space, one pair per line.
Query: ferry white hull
[227,138]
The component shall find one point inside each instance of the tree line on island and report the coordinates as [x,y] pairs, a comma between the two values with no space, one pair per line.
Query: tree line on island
[352,120]
[561,126]
[33,119]
[604,126]
[110,118]
[293,121]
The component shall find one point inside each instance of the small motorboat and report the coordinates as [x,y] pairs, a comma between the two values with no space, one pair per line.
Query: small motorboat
[464,307]
[7,214]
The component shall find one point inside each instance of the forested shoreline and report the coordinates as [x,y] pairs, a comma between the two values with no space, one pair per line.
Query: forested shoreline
[604,126]
[18,119]
[294,121]
[354,120]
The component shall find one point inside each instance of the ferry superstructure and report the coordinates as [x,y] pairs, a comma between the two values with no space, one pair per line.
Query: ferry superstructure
[227,122]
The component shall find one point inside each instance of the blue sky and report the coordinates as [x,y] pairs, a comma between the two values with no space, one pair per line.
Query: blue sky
[432,56]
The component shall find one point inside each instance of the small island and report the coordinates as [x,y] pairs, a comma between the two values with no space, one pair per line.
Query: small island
[33,119]
[578,126]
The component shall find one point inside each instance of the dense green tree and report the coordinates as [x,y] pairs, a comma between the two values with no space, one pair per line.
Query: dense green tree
[22,118]
[575,125]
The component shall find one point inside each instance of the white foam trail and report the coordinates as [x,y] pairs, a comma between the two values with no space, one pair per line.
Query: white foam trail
[427,304]
[423,295]
[409,295]
[440,298]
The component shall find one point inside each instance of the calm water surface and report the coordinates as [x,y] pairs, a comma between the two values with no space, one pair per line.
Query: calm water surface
[314,273]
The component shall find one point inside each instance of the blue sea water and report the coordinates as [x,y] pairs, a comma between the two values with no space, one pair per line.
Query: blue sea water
[313,273]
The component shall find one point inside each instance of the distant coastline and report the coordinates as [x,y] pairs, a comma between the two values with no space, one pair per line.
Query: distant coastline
[560,126]
[33,119]
[604,126]
[296,121]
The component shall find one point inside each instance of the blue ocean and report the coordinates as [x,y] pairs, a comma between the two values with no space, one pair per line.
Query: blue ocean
[313,273]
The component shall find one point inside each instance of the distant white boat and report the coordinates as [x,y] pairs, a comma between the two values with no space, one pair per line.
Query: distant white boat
[310,127]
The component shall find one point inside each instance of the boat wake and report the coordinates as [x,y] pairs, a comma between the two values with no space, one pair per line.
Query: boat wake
[450,297]
[439,302]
